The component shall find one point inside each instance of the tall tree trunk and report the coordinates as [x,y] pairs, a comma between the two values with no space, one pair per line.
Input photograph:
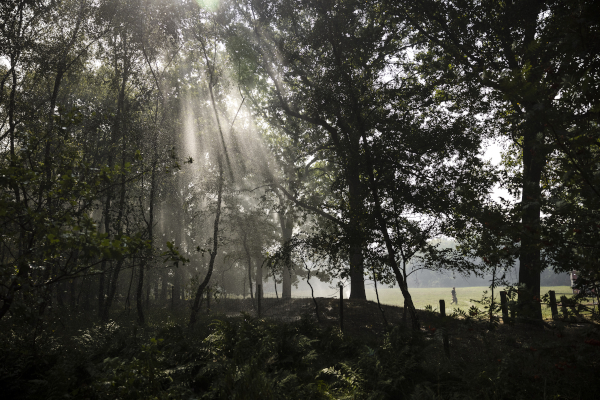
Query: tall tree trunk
[118,132]
[140,287]
[155,291]
[148,295]
[530,264]
[112,289]
[24,267]
[356,257]
[249,260]
[179,237]
[101,293]
[213,253]
[45,188]
[138,295]
[287,226]
[408,303]
[164,286]
[259,274]
[106,219]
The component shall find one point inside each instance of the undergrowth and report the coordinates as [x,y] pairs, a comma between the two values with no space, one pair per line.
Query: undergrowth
[250,358]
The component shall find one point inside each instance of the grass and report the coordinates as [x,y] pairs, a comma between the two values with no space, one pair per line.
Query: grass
[465,295]
[431,296]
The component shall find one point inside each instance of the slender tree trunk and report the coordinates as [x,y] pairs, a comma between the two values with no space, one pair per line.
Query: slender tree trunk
[140,287]
[179,237]
[259,276]
[45,188]
[155,291]
[24,267]
[213,253]
[112,290]
[287,226]
[113,282]
[106,218]
[101,294]
[118,132]
[377,294]
[388,242]
[128,298]
[164,287]
[312,292]
[138,295]
[249,260]
[275,284]
[148,295]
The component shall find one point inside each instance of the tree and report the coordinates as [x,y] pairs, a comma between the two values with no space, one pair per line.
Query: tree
[312,77]
[51,188]
[507,61]
[345,96]
[215,243]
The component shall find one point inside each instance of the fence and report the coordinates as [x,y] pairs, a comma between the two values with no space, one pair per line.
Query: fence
[332,311]
[351,314]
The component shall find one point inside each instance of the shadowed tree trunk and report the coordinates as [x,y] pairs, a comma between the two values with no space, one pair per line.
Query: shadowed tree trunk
[287,226]
[140,287]
[249,260]
[530,262]
[213,252]
[383,228]
[118,129]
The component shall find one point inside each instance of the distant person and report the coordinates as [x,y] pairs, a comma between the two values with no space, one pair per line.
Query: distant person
[454,300]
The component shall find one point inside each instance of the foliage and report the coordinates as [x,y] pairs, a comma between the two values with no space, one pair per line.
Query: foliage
[527,69]
[49,234]
[249,358]
[358,124]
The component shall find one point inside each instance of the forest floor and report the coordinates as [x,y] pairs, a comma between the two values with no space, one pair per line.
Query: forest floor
[288,353]
[368,319]
[560,351]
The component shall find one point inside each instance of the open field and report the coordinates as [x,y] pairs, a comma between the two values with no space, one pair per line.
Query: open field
[431,296]
[465,295]
[424,296]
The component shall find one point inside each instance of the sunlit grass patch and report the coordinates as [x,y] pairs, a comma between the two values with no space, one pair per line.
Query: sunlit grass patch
[465,295]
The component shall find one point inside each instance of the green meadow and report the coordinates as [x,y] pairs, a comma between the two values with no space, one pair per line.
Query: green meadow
[465,295]
[422,297]
[431,296]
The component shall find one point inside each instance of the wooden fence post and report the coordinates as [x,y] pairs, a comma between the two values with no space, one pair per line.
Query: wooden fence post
[504,306]
[341,307]
[258,298]
[553,307]
[444,333]
[442,308]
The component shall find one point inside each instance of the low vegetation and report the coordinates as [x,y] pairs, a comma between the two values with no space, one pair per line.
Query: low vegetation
[69,355]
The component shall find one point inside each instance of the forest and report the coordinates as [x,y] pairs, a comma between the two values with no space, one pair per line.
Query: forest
[162,156]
